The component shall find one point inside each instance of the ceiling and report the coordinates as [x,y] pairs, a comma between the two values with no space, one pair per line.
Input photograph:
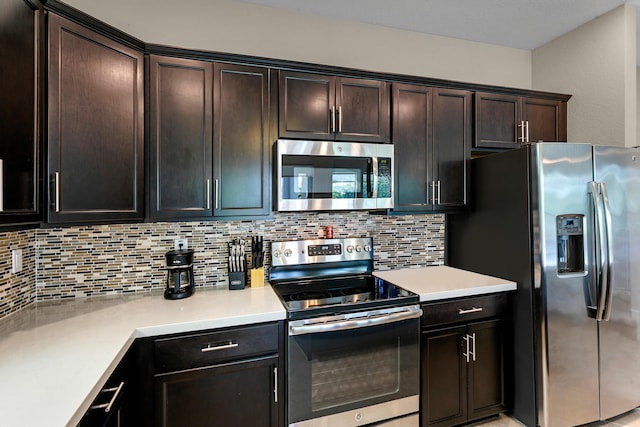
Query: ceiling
[523,24]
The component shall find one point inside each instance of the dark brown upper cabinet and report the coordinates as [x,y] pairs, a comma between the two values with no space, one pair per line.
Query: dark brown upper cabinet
[314,106]
[432,131]
[209,145]
[508,121]
[180,106]
[241,161]
[19,158]
[95,126]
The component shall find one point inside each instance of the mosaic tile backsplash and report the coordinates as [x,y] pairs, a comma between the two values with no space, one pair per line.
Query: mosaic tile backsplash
[17,290]
[85,261]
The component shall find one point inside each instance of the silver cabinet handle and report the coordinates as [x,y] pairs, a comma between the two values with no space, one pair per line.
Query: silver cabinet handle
[473,346]
[57,189]
[107,406]
[470,310]
[340,119]
[433,192]
[219,347]
[208,194]
[470,341]
[527,132]
[217,192]
[275,384]
[332,111]
[438,191]
[521,126]
[1,186]
[466,353]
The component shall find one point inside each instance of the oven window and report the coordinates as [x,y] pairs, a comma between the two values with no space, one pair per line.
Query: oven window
[340,377]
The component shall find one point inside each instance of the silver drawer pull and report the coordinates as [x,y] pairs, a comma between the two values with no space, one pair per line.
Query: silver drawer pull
[107,406]
[219,347]
[470,310]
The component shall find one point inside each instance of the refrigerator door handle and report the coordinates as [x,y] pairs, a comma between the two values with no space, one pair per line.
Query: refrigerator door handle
[608,274]
[601,250]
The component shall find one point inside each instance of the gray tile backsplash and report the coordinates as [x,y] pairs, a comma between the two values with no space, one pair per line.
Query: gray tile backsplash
[84,261]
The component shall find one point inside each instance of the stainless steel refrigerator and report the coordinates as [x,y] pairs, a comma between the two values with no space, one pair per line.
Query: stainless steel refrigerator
[563,221]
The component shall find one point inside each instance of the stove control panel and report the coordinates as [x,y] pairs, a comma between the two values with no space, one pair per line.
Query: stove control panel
[318,250]
[298,252]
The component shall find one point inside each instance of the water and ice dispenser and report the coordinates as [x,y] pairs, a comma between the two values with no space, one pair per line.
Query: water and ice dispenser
[570,235]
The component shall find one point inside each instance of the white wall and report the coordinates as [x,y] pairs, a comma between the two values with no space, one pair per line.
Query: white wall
[236,27]
[597,64]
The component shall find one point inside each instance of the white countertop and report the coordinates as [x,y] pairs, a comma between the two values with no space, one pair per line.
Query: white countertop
[442,282]
[55,358]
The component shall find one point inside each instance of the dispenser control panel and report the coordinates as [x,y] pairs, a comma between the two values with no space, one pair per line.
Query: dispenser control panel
[569,224]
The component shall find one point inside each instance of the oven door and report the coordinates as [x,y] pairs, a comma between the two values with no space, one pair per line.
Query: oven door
[354,369]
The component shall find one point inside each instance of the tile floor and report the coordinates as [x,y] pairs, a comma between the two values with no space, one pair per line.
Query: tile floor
[630,419]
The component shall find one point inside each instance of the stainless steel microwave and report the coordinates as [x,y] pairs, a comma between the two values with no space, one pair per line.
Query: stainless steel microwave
[332,175]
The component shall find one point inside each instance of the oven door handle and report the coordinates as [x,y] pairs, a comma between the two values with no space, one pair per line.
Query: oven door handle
[363,322]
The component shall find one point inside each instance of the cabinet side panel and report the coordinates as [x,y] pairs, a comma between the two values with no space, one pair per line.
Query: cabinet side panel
[494,238]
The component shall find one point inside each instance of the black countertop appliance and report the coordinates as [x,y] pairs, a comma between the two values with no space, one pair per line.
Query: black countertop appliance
[180,283]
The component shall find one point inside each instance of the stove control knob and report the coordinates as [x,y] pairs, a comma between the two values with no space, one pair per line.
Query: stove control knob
[358,248]
[367,248]
[287,252]
[276,253]
[350,249]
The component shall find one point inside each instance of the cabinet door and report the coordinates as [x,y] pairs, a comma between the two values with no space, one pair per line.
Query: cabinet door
[452,130]
[486,372]
[411,139]
[444,378]
[497,121]
[237,394]
[116,402]
[362,110]
[95,126]
[180,137]
[546,119]
[241,141]
[306,106]
[18,133]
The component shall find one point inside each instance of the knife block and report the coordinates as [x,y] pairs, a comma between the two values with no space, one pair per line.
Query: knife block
[238,279]
[257,277]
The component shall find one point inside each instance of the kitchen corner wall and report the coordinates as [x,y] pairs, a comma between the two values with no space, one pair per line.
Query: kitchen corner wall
[72,262]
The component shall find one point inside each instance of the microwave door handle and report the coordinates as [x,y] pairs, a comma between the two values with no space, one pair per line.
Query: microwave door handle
[370,171]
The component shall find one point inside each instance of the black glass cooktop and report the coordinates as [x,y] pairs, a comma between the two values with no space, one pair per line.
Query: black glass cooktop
[340,294]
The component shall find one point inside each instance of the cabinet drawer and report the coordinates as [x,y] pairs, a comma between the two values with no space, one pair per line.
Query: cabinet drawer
[192,351]
[464,309]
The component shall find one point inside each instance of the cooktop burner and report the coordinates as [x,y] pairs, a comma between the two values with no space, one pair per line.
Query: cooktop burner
[340,294]
[315,277]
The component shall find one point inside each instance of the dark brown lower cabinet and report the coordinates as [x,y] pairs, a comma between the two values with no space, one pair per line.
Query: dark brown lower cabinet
[462,371]
[236,394]
[115,405]
[227,377]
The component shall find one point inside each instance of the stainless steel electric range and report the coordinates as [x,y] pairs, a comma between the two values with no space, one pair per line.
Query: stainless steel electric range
[353,339]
